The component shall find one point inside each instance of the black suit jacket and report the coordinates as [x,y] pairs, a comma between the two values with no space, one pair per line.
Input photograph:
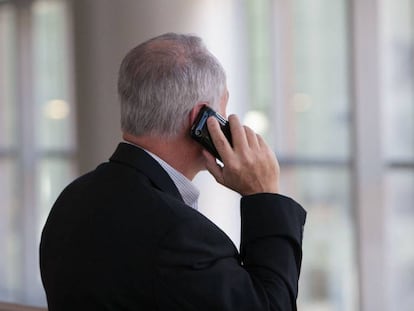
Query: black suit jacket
[121,238]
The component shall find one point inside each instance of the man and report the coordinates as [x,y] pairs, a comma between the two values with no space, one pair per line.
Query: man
[127,236]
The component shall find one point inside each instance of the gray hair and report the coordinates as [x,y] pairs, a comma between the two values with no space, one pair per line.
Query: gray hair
[162,79]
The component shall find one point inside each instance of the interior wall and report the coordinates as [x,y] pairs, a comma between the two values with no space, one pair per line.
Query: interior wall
[105,30]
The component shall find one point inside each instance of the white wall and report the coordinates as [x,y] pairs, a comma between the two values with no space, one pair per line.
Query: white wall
[105,30]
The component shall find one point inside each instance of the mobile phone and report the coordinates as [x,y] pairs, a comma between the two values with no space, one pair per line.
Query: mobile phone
[199,130]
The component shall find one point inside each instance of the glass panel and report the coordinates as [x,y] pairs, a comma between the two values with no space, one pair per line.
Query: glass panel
[10,233]
[260,70]
[329,273]
[317,126]
[398,78]
[53,106]
[399,196]
[318,111]
[7,76]
[52,176]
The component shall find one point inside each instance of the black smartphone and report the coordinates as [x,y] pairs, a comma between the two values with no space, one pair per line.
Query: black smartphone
[199,130]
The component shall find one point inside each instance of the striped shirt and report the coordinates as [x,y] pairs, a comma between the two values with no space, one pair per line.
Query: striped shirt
[188,191]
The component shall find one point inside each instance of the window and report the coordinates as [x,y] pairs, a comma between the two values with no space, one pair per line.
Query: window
[397,44]
[303,84]
[339,112]
[37,138]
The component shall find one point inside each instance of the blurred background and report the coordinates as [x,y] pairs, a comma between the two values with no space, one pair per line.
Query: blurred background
[328,83]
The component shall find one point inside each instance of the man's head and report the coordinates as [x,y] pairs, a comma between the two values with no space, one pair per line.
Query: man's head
[163,79]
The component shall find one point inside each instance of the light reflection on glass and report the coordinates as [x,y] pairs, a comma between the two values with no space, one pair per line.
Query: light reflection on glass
[53,175]
[257,121]
[56,109]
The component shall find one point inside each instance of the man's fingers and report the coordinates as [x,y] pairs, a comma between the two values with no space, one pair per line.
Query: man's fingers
[250,166]
[238,134]
[251,137]
[219,140]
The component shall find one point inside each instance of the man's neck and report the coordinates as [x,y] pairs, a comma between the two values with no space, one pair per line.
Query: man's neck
[181,153]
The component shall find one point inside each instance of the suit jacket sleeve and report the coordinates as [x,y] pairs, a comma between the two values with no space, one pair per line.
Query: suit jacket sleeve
[200,269]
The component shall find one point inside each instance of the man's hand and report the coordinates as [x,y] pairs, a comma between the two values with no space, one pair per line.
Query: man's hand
[250,166]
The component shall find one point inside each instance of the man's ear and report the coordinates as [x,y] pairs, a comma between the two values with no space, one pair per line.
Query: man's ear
[194,112]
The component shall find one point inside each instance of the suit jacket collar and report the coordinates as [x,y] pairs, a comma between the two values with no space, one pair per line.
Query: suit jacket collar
[133,156]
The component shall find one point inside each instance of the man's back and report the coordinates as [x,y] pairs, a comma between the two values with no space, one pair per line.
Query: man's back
[100,246]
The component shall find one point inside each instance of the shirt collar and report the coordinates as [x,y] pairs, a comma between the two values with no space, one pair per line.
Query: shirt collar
[188,191]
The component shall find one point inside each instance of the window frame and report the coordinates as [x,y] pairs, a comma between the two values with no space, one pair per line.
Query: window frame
[28,155]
